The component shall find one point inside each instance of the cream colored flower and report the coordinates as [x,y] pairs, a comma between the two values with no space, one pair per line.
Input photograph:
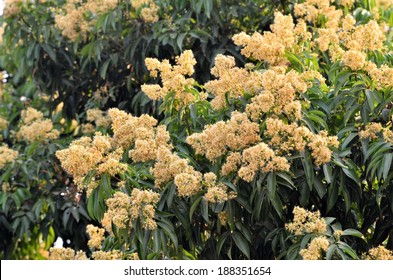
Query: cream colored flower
[96,235]
[315,249]
[306,222]
[7,155]
[34,127]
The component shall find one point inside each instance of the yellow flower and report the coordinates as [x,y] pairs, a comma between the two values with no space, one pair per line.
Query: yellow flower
[354,59]
[260,158]
[379,253]
[270,46]
[100,118]
[231,80]
[315,249]
[174,79]
[7,155]
[235,134]
[371,130]
[3,123]
[87,154]
[66,254]
[306,222]
[34,127]
[216,194]
[96,235]
[110,255]
[188,184]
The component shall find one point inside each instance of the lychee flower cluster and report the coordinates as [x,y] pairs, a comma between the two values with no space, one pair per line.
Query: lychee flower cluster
[98,117]
[34,127]
[87,154]
[231,80]
[279,93]
[305,221]
[261,158]
[76,18]
[170,166]
[3,123]
[312,10]
[7,155]
[148,10]
[109,255]
[174,80]
[216,192]
[286,138]
[315,249]
[371,131]
[123,210]
[233,135]
[271,46]
[379,253]
[96,236]
[138,134]
[66,254]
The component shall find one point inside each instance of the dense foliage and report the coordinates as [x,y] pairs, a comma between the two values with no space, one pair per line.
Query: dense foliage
[198,129]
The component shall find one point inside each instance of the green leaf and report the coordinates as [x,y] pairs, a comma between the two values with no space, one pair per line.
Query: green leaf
[277,204]
[198,6]
[341,253]
[241,243]
[153,256]
[376,149]
[339,163]
[169,230]
[31,149]
[352,174]
[66,217]
[258,202]
[49,51]
[271,184]
[346,197]
[243,202]
[179,40]
[308,169]
[353,232]
[319,187]
[205,210]
[221,242]
[295,61]
[386,163]
[327,170]
[347,249]
[304,191]
[372,99]
[19,196]
[82,211]
[170,194]
[287,178]
[37,208]
[90,203]
[104,68]
[75,213]
[293,251]
[244,230]
[50,238]
[156,240]
[345,130]
[87,49]
[305,240]
[329,220]
[194,206]
[332,196]
[332,248]
[208,5]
